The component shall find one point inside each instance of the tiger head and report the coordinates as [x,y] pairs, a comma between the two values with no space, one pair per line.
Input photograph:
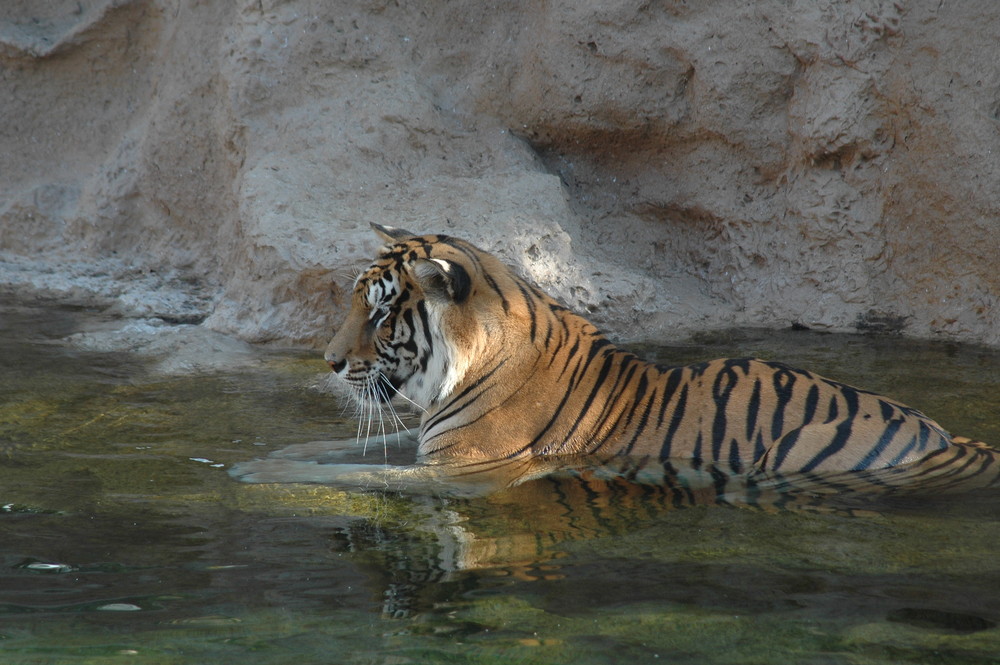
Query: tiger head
[419,318]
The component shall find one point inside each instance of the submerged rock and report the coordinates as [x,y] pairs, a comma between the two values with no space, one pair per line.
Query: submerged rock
[174,349]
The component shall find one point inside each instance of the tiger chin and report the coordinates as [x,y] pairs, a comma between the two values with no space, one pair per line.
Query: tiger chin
[513,385]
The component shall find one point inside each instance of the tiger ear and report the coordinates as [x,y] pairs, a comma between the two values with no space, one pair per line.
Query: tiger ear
[443,279]
[391,233]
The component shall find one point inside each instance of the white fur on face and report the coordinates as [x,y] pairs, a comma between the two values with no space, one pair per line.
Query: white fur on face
[446,366]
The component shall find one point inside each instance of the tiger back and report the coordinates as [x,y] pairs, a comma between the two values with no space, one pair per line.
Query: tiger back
[502,371]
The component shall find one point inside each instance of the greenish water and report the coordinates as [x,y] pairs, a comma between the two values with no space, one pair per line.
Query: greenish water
[122,540]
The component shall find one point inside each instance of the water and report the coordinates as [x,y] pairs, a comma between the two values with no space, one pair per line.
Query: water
[123,540]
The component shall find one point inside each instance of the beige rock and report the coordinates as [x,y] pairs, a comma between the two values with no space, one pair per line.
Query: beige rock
[666,167]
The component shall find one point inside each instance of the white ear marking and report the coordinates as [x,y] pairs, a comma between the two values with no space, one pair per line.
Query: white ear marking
[444,265]
[428,267]
[443,276]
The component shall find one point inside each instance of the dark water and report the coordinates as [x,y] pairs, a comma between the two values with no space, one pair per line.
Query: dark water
[122,539]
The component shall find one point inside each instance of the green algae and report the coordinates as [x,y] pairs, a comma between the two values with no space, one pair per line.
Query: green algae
[115,477]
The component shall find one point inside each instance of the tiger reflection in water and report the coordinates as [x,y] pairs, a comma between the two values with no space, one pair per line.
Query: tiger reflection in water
[523,531]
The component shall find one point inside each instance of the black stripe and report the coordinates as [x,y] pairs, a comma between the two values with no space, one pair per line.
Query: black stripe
[556,312]
[722,389]
[444,413]
[492,283]
[644,420]
[681,494]
[548,334]
[843,432]
[753,409]
[973,457]
[578,372]
[759,449]
[457,244]
[569,356]
[783,382]
[907,449]
[675,422]
[529,302]
[955,454]
[673,380]
[812,403]
[720,479]
[640,393]
[833,411]
[883,442]
[925,435]
[410,344]
[783,447]
[614,396]
[989,459]
[425,322]
[696,458]
[696,369]
[735,458]
[609,361]
[919,442]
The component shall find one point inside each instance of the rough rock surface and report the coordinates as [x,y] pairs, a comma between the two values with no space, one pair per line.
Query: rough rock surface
[664,166]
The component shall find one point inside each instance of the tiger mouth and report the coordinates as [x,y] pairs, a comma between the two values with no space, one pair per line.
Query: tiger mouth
[375,387]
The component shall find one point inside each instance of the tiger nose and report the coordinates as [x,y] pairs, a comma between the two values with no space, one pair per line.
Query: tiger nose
[336,363]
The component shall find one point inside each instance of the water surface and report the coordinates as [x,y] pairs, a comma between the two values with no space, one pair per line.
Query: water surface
[122,539]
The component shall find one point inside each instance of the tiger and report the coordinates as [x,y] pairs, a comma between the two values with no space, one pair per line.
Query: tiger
[506,377]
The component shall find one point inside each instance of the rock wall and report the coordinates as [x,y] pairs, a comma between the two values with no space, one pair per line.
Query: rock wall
[665,166]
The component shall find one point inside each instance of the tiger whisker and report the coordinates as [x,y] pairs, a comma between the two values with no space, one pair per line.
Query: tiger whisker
[392,410]
[376,403]
[372,404]
[333,384]
[397,391]
[382,427]
[361,412]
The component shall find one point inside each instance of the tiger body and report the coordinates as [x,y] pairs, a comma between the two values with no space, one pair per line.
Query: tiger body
[502,371]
